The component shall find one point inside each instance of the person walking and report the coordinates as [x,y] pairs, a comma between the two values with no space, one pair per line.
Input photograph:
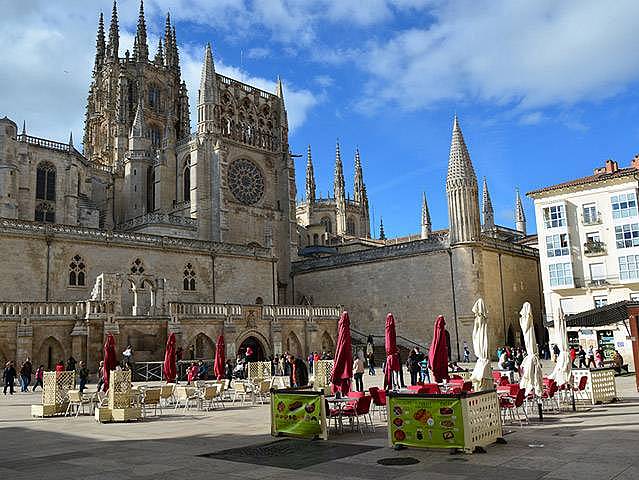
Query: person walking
[423,369]
[83,374]
[25,375]
[599,358]
[573,356]
[100,376]
[358,373]
[555,352]
[371,363]
[310,362]
[127,357]
[71,364]
[591,357]
[39,378]
[582,357]
[413,364]
[8,377]
[466,353]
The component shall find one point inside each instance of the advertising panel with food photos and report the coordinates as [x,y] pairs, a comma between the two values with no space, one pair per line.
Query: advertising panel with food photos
[425,421]
[298,413]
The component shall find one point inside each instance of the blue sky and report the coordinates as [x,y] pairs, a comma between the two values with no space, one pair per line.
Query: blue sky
[545,90]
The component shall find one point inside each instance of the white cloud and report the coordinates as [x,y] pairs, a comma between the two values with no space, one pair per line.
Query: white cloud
[324,80]
[527,54]
[258,52]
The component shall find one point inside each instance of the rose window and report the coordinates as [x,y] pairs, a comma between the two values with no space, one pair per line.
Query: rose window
[246,181]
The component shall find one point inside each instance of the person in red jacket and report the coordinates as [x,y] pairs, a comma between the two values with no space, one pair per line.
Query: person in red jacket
[59,367]
[573,355]
[191,374]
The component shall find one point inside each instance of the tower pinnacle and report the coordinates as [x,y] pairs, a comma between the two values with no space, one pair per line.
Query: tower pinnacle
[520,216]
[207,95]
[426,223]
[382,234]
[100,46]
[487,208]
[310,178]
[114,34]
[140,35]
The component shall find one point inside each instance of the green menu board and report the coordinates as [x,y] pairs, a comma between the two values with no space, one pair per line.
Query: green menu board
[425,421]
[298,414]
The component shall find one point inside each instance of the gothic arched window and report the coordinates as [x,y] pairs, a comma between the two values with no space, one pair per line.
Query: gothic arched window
[186,183]
[77,272]
[315,239]
[350,226]
[154,98]
[189,277]
[327,224]
[137,267]
[45,193]
[156,136]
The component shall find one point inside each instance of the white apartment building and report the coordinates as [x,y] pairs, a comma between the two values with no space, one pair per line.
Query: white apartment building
[588,232]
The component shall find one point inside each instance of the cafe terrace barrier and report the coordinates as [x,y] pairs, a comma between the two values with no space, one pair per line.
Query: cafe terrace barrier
[56,386]
[120,407]
[463,421]
[601,386]
[259,370]
[298,413]
[322,374]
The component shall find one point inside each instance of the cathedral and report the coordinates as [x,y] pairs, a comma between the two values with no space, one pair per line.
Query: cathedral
[152,229]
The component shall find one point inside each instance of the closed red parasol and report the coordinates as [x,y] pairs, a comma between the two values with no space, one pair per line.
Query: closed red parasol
[343,363]
[218,367]
[392,360]
[110,362]
[170,365]
[438,354]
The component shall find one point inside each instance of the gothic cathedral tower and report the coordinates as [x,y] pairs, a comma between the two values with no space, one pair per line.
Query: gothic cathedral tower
[462,192]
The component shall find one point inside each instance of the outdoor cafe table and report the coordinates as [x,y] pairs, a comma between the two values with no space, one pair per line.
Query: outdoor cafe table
[339,404]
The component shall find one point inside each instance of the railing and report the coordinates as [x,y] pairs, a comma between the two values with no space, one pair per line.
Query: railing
[593,248]
[44,143]
[42,309]
[268,311]
[401,339]
[154,371]
[159,218]
[590,220]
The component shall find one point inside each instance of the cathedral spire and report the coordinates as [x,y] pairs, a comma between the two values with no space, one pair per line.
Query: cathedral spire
[487,208]
[426,224]
[100,46]
[382,234]
[114,34]
[339,188]
[159,56]
[175,54]
[310,178]
[359,190]
[140,35]
[520,216]
[71,139]
[462,191]
[207,95]
[279,89]
[168,41]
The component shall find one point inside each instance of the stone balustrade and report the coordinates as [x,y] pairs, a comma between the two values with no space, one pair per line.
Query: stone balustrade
[42,309]
[268,311]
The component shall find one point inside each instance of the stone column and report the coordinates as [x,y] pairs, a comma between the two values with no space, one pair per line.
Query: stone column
[229,337]
[79,341]
[24,341]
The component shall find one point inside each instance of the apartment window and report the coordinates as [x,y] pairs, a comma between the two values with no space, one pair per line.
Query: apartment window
[567,305]
[557,245]
[597,271]
[593,237]
[555,216]
[629,267]
[560,274]
[627,235]
[590,215]
[634,297]
[600,300]
[624,205]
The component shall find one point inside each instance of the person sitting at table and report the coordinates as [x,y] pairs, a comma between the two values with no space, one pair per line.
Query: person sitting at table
[228,370]
[191,373]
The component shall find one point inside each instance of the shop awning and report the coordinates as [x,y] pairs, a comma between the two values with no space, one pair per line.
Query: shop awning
[601,316]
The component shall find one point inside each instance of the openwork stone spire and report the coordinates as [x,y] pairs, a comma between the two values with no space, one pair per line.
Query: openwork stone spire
[382,234]
[207,95]
[310,178]
[426,223]
[100,45]
[487,208]
[114,34]
[462,192]
[159,56]
[359,189]
[140,35]
[138,128]
[520,216]
[339,188]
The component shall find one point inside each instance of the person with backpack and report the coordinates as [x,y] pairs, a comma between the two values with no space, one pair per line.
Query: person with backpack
[8,377]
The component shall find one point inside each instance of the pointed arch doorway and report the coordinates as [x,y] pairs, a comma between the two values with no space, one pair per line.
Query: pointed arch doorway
[254,345]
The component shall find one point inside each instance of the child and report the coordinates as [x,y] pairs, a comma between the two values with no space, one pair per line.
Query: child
[39,378]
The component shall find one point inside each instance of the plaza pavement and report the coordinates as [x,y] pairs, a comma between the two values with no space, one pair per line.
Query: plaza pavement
[596,443]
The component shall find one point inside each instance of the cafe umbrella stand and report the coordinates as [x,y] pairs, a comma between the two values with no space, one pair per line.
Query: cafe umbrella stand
[532,376]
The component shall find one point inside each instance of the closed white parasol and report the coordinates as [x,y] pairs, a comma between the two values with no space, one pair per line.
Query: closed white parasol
[562,374]
[532,376]
[482,373]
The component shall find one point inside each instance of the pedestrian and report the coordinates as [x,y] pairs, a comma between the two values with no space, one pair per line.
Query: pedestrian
[39,378]
[466,353]
[582,357]
[424,374]
[358,373]
[299,373]
[59,367]
[555,352]
[25,375]
[83,374]
[100,375]
[127,357]
[414,358]
[591,357]
[599,358]
[71,364]
[8,377]
[573,356]
[191,373]
[191,352]
[310,362]
[228,370]
[371,363]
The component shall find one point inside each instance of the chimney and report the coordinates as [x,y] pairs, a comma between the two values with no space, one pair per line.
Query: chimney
[634,163]
[611,166]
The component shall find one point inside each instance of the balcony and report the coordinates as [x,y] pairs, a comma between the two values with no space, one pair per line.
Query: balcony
[594,248]
[591,219]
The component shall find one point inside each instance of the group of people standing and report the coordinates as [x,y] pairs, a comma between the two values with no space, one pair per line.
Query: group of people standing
[27,374]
